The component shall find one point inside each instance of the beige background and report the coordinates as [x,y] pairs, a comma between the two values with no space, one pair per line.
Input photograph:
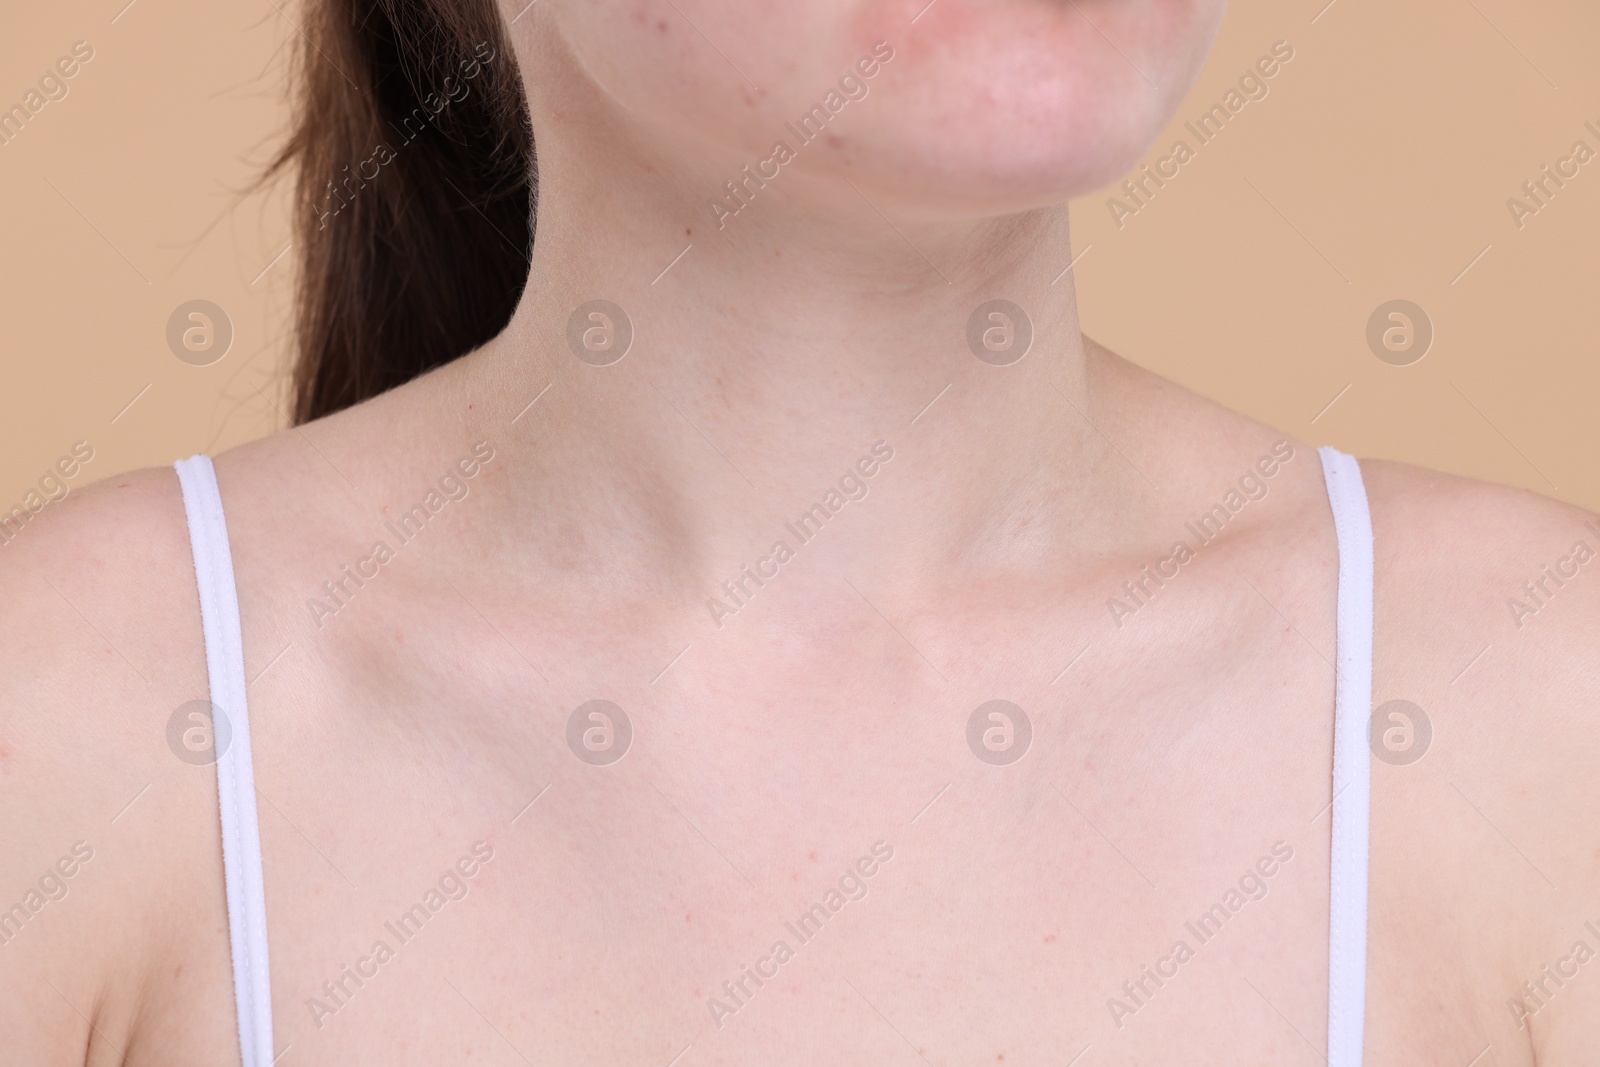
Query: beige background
[1378,167]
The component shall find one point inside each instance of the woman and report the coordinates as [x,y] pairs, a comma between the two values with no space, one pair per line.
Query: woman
[736,617]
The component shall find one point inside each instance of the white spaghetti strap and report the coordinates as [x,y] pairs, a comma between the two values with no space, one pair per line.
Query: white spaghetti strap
[1352,761]
[236,790]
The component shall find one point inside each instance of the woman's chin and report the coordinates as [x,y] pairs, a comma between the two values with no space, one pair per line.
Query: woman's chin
[974,165]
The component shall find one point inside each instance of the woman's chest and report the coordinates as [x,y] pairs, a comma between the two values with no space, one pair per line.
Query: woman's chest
[972,928]
[1126,866]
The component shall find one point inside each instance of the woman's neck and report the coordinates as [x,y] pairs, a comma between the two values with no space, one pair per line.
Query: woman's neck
[769,355]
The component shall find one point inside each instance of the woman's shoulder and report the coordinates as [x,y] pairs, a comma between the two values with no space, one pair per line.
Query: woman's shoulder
[1487,617]
[104,835]
[108,813]
[99,590]
[1486,706]
[1494,567]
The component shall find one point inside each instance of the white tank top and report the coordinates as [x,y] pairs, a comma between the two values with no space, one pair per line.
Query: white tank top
[1351,787]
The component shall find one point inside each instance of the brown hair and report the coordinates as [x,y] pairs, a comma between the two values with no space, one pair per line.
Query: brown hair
[414,182]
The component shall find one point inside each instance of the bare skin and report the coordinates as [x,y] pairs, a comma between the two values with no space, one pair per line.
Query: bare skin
[1175,746]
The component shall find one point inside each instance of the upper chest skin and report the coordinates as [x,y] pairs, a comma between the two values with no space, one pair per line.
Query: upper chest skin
[447,876]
